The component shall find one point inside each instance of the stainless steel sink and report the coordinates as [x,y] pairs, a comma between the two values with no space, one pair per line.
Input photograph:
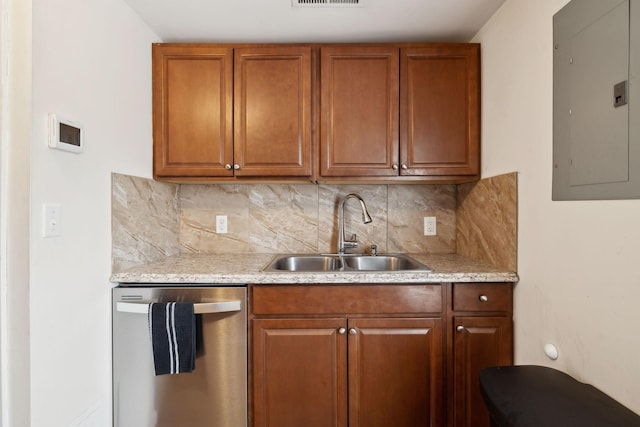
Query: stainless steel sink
[305,263]
[383,263]
[345,263]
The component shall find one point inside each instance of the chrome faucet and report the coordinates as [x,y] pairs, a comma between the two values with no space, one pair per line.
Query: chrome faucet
[366,219]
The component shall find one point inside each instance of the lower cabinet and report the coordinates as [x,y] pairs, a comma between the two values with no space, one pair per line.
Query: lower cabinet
[375,355]
[299,372]
[482,337]
[395,372]
[338,372]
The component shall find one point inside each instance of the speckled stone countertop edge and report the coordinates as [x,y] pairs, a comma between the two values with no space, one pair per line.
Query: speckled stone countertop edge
[239,269]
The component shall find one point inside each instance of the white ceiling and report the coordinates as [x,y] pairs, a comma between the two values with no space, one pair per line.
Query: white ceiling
[278,21]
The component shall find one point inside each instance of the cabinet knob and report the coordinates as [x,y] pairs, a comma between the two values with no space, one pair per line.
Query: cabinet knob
[394,167]
[404,167]
[460,328]
[342,331]
[236,166]
[352,331]
[483,298]
[227,167]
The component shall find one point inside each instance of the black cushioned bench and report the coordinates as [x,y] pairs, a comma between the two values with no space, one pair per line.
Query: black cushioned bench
[537,396]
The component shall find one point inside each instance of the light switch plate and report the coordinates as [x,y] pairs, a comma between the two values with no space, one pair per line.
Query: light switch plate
[51,217]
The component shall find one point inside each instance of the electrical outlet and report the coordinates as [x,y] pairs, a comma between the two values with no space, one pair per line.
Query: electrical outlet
[221,224]
[430,226]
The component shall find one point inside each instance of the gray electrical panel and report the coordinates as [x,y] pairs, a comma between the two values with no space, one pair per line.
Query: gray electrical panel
[596,145]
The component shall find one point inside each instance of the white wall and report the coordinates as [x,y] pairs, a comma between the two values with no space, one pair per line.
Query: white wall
[578,261]
[91,62]
[15,128]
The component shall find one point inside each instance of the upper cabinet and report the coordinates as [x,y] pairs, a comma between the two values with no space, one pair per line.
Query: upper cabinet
[335,112]
[192,111]
[440,111]
[400,111]
[272,112]
[222,112]
[359,111]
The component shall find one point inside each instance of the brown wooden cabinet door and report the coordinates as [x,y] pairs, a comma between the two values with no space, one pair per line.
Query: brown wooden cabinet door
[272,118]
[359,111]
[395,372]
[192,110]
[299,373]
[479,342]
[440,110]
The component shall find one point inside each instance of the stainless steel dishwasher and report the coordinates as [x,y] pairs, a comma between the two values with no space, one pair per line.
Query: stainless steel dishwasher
[214,394]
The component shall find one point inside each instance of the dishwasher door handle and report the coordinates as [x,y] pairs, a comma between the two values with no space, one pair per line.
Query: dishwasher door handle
[198,308]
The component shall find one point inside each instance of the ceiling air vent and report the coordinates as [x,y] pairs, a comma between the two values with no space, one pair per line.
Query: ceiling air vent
[327,3]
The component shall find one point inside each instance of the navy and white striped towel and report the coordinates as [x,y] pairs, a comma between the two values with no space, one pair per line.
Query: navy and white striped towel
[172,326]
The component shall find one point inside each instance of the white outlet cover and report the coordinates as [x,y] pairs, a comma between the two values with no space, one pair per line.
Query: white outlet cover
[430,226]
[221,224]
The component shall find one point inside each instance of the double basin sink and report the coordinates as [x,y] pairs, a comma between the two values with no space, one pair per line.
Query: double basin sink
[345,263]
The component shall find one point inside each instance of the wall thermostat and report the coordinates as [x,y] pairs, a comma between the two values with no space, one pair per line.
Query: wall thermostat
[65,134]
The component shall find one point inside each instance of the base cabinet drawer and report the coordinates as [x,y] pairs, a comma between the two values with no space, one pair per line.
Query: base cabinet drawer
[348,299]
[482,297]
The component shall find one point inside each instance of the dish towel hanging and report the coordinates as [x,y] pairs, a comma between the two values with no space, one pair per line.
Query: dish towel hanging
[172,326]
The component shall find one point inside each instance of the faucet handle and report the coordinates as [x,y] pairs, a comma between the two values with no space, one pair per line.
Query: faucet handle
[374,250]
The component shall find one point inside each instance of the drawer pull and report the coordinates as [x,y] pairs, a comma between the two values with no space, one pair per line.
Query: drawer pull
[342,331]
[460,328]
[483,298]
[352,331]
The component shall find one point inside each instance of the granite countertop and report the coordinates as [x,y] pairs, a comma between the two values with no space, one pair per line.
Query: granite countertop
[247,268]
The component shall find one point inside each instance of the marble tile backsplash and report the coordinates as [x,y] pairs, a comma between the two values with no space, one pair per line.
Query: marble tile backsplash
[152,219]
[144,221]
[487,219]
[282,218]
